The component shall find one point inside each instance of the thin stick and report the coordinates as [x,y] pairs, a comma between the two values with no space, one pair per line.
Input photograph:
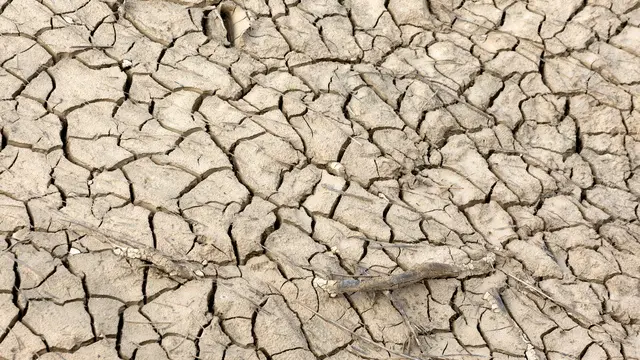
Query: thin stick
[570,310]
[371,342]
[135,250]
[430,270]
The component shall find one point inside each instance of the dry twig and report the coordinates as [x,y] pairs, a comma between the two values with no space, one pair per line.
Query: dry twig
[132,249]
[430,270]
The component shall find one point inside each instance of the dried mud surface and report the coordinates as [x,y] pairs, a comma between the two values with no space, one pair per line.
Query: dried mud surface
[178,178]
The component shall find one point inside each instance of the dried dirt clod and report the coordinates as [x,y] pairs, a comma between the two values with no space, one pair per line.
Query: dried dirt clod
[62,326]
[181,310]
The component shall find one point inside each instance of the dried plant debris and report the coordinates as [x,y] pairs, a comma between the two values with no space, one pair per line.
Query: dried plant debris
[320,179]
[430,270]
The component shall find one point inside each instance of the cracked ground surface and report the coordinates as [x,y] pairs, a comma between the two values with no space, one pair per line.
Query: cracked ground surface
[265,145]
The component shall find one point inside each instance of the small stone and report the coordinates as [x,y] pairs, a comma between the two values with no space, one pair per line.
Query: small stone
[335,168]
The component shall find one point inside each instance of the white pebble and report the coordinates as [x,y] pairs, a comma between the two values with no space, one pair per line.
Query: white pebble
[335,168]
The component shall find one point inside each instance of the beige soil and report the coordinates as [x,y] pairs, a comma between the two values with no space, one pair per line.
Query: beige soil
[320,179]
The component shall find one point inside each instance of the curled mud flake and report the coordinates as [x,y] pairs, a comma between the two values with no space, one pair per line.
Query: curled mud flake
[236,21]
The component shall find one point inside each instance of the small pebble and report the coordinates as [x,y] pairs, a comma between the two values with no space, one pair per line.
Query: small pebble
[335,168]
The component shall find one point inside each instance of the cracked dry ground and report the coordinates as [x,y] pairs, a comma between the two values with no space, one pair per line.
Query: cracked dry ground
[319,140]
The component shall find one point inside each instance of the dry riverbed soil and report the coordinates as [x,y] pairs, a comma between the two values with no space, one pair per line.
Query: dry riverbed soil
[320,179]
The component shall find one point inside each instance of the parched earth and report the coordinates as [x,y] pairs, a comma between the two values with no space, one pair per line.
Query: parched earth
[181,180]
